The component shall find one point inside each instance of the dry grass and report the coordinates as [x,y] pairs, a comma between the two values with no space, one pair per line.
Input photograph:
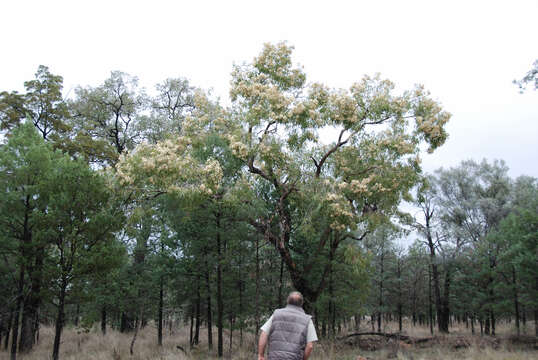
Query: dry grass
[502,328]
[115,346]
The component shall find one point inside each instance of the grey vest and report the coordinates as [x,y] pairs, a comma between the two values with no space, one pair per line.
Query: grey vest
[287,337]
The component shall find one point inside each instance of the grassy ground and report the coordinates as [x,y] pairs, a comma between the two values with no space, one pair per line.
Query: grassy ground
[115,346]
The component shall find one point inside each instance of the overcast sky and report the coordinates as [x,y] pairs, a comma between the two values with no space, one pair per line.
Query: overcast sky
[465,52]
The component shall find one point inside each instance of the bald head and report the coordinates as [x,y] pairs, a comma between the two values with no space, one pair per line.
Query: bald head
[295,298]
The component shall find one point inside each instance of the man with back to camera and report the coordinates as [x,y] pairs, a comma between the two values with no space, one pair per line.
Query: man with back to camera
[289,331]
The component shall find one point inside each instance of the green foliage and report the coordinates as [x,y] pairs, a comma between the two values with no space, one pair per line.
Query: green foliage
[105,118]
[42,103]
[219,212]
[516,239]
[25,163]
[57,217]
[270,141]
[79,220]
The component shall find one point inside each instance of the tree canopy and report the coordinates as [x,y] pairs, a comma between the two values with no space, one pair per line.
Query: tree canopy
[315,194]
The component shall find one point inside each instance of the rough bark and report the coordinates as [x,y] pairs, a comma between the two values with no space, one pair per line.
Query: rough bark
[59,321]
[280,285]
[280,240]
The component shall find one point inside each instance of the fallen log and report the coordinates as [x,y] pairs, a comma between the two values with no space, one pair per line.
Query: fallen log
[405,338]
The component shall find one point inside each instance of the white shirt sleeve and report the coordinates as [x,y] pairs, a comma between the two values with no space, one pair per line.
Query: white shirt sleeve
[267,326]
[311,335]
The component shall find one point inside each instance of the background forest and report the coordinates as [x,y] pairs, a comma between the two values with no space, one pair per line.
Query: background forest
[125,209]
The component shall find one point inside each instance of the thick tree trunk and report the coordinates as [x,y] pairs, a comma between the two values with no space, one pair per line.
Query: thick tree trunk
[280,285]
[281,241]
[59,321]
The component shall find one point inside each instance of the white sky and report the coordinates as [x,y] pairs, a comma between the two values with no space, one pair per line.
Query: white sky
[465,52]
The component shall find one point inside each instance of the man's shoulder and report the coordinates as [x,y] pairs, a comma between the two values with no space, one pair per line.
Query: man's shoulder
[292,314]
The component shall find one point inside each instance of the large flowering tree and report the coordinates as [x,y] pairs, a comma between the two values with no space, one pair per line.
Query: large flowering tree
[323,192]
[306,194]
